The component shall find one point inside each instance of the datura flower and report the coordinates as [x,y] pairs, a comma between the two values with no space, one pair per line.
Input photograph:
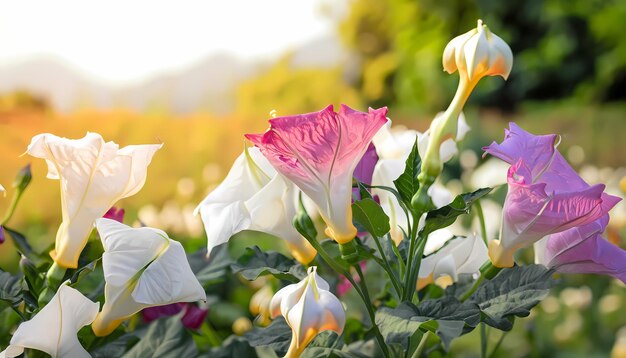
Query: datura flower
[546,196]
[253,197]
[318,152]
[458,256]
[53,329]
[309,308]
[475,54]
[582,250]
[94,174]
[478,53]
[142,268]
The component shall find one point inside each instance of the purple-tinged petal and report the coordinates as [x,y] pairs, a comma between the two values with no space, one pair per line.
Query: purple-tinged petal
[2,237]
[318,152]
[194,316]
[152,313]
[364,170]
[116,214]
[531,213]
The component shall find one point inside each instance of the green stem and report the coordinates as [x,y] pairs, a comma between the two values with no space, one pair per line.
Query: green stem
[409,266]
[483,340]
[9,213]
[387,267]
[416,265]
[495,348]
[487,271]
[209,332]
[370,311]
[421,345]
[481,219]
[368,304]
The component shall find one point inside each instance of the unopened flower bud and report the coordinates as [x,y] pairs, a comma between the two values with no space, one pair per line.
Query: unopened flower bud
[478,53]
[23,178]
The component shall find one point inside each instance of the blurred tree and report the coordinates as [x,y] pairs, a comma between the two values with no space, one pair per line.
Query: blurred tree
[562,48]
[292,90]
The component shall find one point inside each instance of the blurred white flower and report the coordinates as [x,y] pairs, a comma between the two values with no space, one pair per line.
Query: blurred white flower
[460,255]
[142,268]
[309,308]
[94,174]
[253,197]
[53,329]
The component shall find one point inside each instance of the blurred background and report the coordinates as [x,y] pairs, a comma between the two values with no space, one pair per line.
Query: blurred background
[197,75]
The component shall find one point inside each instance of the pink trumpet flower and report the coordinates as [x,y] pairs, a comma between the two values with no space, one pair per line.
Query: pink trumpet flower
[546,196]
[116,214]
[319,152]
[192,318]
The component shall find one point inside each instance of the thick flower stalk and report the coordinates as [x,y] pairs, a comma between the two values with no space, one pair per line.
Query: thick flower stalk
[142,268]
[458,256]
[475,54]
[54,329]
[546,196]
[309,308]
[583,250]
[318,152]
[93,174]
[253,197]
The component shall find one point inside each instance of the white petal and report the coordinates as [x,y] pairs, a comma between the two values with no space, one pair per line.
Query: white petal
[277,299]
[334,314]
[169,279]
[12,351]
[53,330]
[222,221]
[128,250]
[462,128]
[141,156]
[304,315]
[476,52]
[440,195]
[445,266]
[540,251]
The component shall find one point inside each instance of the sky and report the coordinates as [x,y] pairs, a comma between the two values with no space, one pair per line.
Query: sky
[120,42]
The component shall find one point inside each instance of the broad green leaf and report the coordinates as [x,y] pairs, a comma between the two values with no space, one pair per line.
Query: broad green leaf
[10,288]
[83,271]
[254,263]
[329,344]
[165,338]
[371,217]
[276,336]
[447,317]
[445,216]
[233,346]
[407,183]
[24,247]
[513,292]
[211,270]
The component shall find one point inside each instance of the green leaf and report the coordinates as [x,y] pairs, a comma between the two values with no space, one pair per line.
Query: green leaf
[233,346]
[83,271]
[513,292]
[165,338]
[329,344]
[445,216]
[24,247]
[371,217]
[211,270]
[276,336]
[10,288]
[303,223]
[447,317]
[407,183]
[254,263]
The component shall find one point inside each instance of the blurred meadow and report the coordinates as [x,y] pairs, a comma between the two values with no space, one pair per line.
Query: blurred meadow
[569,77]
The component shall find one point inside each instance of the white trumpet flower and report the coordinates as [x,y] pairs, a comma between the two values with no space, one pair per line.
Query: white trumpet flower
[142,268]
[478,53]
[94,174]
[460,255]
[53,330]
[253,197]
[309,308]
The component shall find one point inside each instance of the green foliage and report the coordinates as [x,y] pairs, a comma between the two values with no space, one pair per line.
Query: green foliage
[165,338]
[276,336]
[255,263]
[10,288]
[371,217]
[513,292]
[445,216]
[407,183]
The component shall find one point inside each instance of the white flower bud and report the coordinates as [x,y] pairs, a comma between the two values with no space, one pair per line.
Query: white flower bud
[309,308]
[478,53]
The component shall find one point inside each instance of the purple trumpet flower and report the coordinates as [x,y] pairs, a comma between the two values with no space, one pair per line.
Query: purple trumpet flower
[546,196]
[192,317]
